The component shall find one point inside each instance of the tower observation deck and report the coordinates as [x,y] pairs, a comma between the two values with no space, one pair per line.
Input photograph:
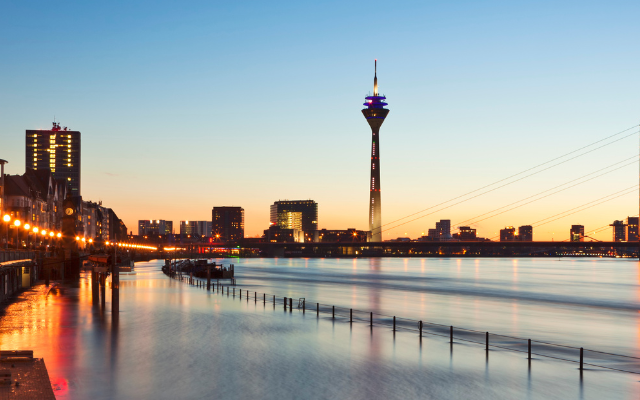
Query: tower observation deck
[375,113]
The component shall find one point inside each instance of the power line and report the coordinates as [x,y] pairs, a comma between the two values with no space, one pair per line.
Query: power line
[628,191]
[564,214]
[512,176]
[548,190]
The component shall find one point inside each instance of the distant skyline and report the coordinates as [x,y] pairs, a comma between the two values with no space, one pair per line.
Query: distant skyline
[183,107]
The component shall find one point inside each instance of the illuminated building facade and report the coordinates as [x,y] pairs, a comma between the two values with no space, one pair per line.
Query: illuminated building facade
[196,228]
[577,233]
[227,223]
[286,214]
[375,113]
[632,229]
[57,150]
[147,227]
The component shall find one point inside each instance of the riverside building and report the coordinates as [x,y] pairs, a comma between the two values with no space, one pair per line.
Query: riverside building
[227,223]
[294,214]
[148,227]
[57,150]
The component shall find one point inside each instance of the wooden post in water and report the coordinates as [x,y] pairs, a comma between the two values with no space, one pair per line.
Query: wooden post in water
[255,300]
[264,299]
[581,359]
[351,315]
[451,334]
[317,309]
[290,304]
[208,277]
[285,304]
[487,345]
[394,323]
[115,284]
[371,319]
[420,324]
[529,349]
[333,312]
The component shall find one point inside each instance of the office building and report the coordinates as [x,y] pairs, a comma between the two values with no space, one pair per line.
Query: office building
[525,233]
[149,227]
[577,233]
[283,213]
[227,223]
[443,228]
[57,150]
[632,229]
[276,234]
[466,234]
[195,228]
[508,234]
[375,113]
[619,234]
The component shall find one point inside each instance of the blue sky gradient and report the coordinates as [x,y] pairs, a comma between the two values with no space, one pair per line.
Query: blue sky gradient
[184,106]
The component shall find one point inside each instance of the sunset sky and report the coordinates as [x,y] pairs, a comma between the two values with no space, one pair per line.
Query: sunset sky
[188,105]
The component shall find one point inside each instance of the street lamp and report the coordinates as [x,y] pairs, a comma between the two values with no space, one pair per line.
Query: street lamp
[17,225]
[44,237]
[26,228]
[6,220]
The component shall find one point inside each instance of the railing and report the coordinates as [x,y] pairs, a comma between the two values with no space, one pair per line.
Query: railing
[11,255]
[577,355]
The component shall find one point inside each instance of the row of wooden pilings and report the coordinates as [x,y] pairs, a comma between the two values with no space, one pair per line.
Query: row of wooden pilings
[219,288]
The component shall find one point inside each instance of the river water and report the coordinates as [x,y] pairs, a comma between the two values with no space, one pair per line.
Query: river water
[175,341]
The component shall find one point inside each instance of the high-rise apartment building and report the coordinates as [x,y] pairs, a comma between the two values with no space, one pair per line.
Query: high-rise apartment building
[283,213]
[525,233]
[508,234]
[227,223]
[619,234]
[577,233]
[632,229]
[154,227]
[58,150]
[444,228]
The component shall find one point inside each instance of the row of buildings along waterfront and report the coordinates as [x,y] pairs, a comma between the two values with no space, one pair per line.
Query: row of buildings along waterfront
[52,176]
[289,221]
[623,231]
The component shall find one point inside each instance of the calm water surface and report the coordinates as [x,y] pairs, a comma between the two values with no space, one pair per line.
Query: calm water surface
[174,341]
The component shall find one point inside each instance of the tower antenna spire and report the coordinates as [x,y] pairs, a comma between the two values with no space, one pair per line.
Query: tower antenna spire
[375,77]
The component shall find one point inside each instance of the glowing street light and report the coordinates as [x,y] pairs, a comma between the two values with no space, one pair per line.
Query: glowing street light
[6,220]
[27,228]
[17,224]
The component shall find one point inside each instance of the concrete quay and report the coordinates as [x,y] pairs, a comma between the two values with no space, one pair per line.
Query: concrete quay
[29,380]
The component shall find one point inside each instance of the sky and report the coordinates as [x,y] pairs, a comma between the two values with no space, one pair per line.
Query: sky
[188,105]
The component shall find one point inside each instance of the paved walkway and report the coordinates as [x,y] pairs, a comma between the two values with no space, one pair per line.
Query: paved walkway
[32,377]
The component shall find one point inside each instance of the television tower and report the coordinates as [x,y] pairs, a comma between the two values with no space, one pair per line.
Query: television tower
[375,113]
